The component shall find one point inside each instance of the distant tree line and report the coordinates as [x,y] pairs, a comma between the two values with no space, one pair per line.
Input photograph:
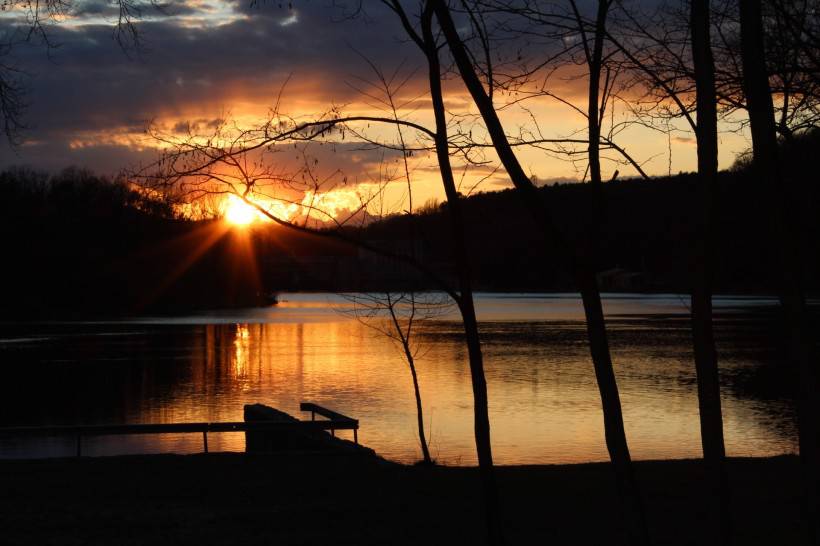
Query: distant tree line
[83,243]
[77,244]
[649,229]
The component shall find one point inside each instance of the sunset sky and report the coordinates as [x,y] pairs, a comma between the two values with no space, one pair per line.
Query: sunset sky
[89,102]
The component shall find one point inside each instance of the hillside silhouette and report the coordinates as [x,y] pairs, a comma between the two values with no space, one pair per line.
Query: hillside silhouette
[78,243]
[649,228]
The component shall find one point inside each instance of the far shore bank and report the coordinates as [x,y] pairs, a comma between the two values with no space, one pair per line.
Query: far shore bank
[309,498]
[764,303]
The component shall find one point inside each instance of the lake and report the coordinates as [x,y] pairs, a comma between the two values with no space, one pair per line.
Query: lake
[544,404]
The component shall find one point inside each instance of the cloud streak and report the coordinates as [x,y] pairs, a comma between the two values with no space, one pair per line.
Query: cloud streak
[210,60]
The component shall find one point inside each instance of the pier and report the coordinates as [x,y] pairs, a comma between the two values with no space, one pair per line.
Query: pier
[263,425]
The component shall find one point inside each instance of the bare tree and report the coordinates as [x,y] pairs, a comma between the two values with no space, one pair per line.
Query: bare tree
[399,316]
[791,31]
[583,272]
[427,43]
[792,34]
[784,208]
[711,417]
[671,58]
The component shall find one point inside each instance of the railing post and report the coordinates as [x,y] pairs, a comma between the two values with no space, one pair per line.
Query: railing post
[356,436]
[205,440]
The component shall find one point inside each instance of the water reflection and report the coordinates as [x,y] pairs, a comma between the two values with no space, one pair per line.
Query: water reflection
[544,400]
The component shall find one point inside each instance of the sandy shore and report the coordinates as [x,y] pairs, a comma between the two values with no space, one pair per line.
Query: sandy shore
[334,499]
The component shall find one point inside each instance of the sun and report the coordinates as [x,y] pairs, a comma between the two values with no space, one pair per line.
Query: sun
[239,213]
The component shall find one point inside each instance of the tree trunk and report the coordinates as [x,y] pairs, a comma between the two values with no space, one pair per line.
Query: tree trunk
[792,295]
[425,450]
[466,306]
[411,362]
[593,116]
[594,59]
[711,417]
[631,502]
[585,280]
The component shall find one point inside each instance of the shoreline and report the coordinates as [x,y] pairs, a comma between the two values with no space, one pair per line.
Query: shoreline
[310,498]
[760,303]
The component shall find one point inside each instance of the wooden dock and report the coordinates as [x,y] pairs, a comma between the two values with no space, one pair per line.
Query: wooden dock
[334,421]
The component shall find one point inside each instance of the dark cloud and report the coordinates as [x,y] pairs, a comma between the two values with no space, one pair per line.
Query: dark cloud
[94,7]
[55,155]
[203,61]
[192,68]
[197,126]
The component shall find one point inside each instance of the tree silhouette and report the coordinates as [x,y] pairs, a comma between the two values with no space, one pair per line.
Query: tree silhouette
[672,60]
[790,30]
[399,316]
[711,417]
[583,273]
[429,46]
[785,222]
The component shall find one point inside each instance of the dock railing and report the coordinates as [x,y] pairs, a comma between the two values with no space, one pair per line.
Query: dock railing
[335,421]
[332,417]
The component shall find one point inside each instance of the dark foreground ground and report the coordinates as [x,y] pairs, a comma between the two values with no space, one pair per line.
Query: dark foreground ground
[222,499]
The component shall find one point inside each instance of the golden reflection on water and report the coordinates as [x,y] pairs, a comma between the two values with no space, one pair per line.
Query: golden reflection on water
[544,402]
[242,357]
